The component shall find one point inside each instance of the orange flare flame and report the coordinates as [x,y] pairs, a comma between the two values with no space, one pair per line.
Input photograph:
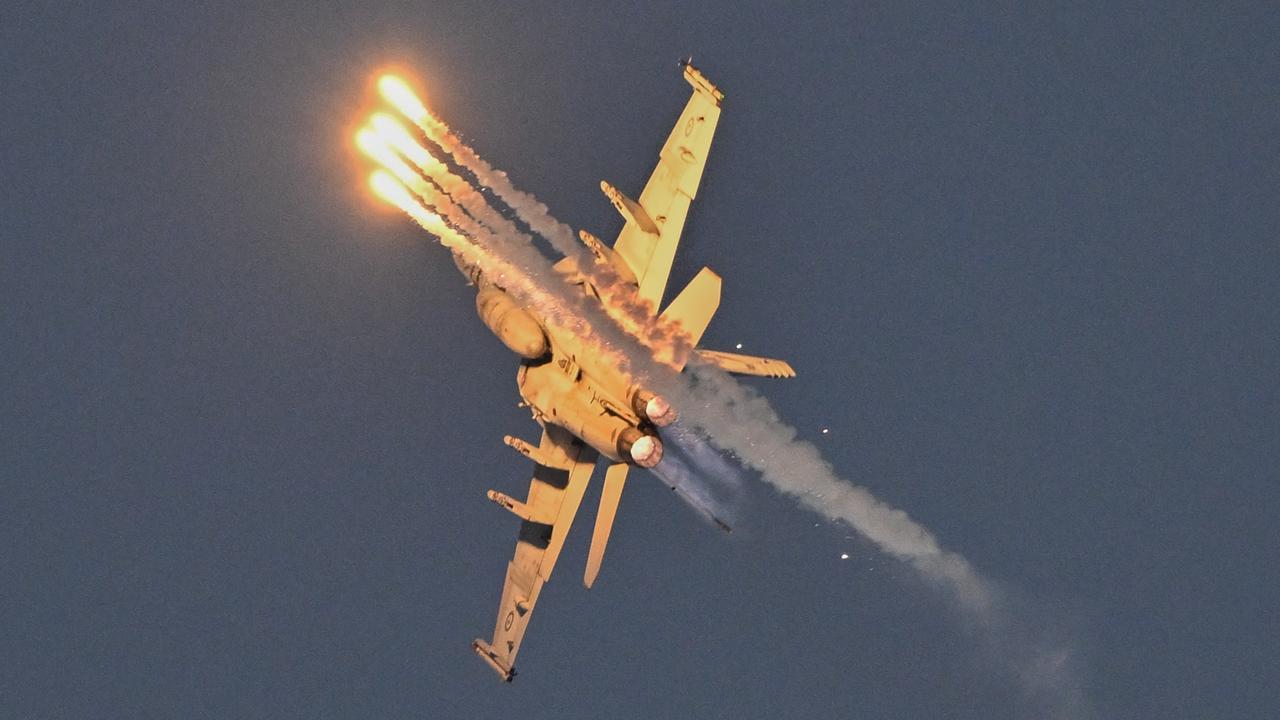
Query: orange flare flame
[401,96]
[398,137]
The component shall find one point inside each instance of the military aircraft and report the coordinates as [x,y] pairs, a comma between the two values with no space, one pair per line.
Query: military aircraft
[588,408]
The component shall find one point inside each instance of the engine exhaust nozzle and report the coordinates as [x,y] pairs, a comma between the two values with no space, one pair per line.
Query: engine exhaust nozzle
[659,411]
[644,450]
[653,407]
[647,451]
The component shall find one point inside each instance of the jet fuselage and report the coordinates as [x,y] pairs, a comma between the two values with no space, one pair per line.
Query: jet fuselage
[566,384]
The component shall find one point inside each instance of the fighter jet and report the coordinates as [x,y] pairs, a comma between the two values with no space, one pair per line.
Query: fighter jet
[587,407]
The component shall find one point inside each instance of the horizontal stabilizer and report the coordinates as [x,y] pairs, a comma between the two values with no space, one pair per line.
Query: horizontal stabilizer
[746,364]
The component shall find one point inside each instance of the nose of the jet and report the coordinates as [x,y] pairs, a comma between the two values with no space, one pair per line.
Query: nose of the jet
[647,451]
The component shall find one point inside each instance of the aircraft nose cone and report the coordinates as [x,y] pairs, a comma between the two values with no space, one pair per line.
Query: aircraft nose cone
[647,451]
[659,411]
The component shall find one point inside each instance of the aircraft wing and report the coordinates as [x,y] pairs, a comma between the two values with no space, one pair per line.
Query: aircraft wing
[653,225]
[562,467]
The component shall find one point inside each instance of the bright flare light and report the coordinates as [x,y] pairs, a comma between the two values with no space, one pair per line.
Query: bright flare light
[399,138]
[391,190]
[398,93]
[388,188]
[372,144]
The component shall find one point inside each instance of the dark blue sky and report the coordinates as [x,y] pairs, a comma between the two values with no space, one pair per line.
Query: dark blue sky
[1024,259]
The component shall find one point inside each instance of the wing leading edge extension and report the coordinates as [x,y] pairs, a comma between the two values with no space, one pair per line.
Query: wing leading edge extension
[562,468]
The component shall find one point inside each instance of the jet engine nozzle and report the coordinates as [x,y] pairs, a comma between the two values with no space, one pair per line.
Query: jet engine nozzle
[644,450]
[647,451]
[653,407]
[659,411]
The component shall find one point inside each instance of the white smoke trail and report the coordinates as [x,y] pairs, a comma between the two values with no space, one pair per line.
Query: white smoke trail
[667,342]
[531,210]
[459,190]
[740,421]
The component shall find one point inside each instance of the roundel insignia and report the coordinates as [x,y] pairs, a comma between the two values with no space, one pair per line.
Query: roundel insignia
[511,618]
[688,127]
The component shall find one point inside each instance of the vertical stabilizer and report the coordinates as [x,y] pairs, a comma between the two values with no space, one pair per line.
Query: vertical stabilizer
[614,479]
[696,304]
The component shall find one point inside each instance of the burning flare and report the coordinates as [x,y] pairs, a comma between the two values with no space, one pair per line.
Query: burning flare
[372,144]
[399,138]
[402,98]
[668,343]
[394,191]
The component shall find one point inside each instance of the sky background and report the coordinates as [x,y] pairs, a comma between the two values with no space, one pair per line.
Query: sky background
[1023,256]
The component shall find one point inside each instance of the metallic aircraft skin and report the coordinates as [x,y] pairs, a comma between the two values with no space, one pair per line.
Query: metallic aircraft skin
[586,406]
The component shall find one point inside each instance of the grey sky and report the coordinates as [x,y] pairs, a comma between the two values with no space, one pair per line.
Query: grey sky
[1023,258]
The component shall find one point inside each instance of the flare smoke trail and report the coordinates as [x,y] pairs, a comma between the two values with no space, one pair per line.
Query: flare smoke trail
[735,419]
[667,342]
[501,255]
[528,207]
[738,420]
[461,191]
